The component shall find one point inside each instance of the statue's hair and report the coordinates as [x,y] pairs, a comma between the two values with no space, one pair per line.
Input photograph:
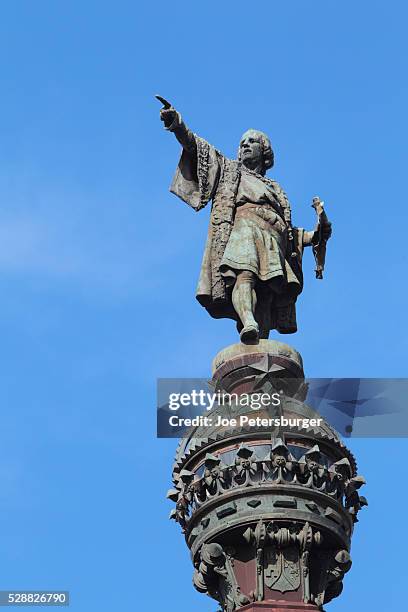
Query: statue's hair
[268,155]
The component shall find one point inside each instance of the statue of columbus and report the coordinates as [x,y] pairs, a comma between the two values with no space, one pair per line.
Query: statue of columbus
[252,265]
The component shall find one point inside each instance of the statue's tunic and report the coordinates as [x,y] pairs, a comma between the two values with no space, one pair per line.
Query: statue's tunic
[249,230]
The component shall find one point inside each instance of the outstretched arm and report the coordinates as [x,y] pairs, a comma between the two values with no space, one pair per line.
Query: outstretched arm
[199,168]
[173,123]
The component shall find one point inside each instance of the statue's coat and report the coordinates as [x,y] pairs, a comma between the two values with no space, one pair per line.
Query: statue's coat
[208,175]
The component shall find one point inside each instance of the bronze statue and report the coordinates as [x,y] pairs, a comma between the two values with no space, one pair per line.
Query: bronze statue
[252,265]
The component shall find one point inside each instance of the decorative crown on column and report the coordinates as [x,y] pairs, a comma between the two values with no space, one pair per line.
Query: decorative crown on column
[268,515]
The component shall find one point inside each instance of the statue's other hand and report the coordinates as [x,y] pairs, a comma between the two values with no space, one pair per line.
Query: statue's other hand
[168,116]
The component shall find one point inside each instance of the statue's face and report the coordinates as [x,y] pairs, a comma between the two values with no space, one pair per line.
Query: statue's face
[251,150]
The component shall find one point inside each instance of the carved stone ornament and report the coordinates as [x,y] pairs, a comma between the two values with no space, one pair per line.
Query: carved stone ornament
[278,468]
[215,577]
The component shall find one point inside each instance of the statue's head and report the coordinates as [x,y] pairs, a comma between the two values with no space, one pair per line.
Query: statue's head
[255,151]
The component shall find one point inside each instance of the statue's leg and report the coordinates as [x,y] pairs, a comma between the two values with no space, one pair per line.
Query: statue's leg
[244,302]
[263,312]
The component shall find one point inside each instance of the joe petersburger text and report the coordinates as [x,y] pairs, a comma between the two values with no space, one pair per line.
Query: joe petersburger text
[254,401]
[242,420]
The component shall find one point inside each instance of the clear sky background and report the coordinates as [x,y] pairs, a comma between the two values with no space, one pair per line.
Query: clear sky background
[99,262]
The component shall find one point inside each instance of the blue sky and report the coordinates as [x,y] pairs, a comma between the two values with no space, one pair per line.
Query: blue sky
[98,264]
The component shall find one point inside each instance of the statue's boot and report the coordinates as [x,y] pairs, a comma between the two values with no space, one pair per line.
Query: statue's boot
[250,333]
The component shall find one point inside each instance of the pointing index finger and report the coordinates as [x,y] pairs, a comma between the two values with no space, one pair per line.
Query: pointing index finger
[166,103]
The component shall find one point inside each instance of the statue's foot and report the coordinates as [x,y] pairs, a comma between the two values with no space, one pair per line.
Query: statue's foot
[250,333]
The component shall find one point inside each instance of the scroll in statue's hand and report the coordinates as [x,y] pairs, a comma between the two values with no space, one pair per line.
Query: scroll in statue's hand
[323,232]
[326,230]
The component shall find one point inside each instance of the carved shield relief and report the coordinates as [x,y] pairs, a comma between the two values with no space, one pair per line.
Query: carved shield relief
[282,571]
